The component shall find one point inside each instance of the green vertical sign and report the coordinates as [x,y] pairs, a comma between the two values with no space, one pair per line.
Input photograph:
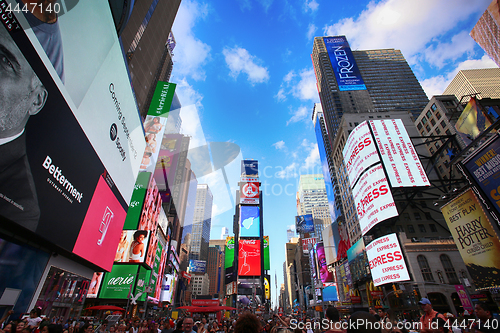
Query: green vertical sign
[267,262]
[229,252]
[137,201]
[142,281]
[162,99]
[117,283]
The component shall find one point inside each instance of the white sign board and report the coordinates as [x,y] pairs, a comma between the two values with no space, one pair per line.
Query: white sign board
[373,199]
[398,154]
[359,152]
[386,260]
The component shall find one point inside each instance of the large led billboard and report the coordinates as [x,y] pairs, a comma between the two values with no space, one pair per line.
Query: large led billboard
[329,245]
[137,201]
[267,262]
[373,199]
[386,260]
[229,252]
[249,257]
[304,224]
[249,193]
[250,168]
[398,154]
[324,274]
[483,171]
[359,152]
[358,263]
[79,152]
[95,285]
[472,122]
[344,66]
[249,221]
[168,288]
[167,160]
[118,283]
[197,266]
[475,238]
[133,246]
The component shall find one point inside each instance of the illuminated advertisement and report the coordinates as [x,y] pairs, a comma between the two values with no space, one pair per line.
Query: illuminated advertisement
[358,263]
[133,246]
[249,257]
[359,152]
[168,288]
[306,242]
[472,122]
[62,162]
[173,259]
[154,127]
[249,221]
[250,168]
[197,266]
[324,274]
[475,238]
[157,271]
[161,102]
[137,201]
[304,224]
[229,252]
[330,293]
[151,251]
[329,245]
[373,199]
[167,160]
[386,260]
[163,221]
[483,171]
[249,193]
[267,262]
[344,66]
[95,285]
[118,283]
[151,208]
[398,154]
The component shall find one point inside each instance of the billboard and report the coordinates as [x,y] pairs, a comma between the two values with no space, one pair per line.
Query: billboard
[358,263]
[118,283]
[472,122]
[197,266]
[324,274]
[476,240]
[167,160]
[330,293]
[133,246]
[95,285]
[168,288]
[398,154]
[154,127]
[137,201]
[329,245]
[249,221]
[373,199]
[162,100]
[249,168]
[304,224]
[306,242]
[229,252]
[249,257]
[344,66]
[249,193]
[44,179]
[267,262]
[359,152]
[483,171]
[386,260]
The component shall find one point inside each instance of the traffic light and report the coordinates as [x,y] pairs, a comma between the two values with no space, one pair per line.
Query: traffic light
[395,290]
[415,292]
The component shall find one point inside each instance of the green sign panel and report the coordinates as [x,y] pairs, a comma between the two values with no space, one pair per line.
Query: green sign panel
[142,281]
[137,201]
[117,283]
[229,252]
[267,262]
[162,99]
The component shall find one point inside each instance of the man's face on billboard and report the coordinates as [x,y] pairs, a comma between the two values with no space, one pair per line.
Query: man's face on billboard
[21,92]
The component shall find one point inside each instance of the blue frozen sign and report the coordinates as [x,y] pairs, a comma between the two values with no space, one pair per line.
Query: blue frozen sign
[343,63]
[249,221]
[197,266]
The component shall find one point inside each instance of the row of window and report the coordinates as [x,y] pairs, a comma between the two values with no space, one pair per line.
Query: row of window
[449,270]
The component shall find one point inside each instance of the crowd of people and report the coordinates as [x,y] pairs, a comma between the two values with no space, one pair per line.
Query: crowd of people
[373,321]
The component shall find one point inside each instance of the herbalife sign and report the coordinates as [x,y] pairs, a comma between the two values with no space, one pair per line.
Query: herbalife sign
[118,283]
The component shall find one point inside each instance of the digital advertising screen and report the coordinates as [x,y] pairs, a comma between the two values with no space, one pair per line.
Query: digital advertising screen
[249,257]
[249,221]
[267,262]
[118,283]
[358,262]
[306,242]
[137,201]
[154,127]
[304,224]
[475,238]
[133,246]
[344,66]
[472,122]
[329,245]
[399,156]
[151,208]
[359,152]
[373,199]
[324,274]
[167,160]
[229,252]
[95,285]
[249,193]
[75,145]
[168,288]
[197,266]
[330,293]
[250,168]
[386,260]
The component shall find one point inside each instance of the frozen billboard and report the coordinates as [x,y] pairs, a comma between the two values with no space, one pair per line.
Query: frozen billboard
[74,146]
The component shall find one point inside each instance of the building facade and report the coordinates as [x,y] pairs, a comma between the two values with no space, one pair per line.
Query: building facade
[202,222]
[483,82]
[486,32]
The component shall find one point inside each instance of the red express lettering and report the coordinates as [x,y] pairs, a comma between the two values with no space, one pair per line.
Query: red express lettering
[365,143]
[386,258]
[374,194]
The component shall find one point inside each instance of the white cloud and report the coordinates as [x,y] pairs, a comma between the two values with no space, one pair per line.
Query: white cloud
[437,84]
[290,171]
[312,160]
[279,145]
[190,53]
[311,30]
[409,25]
[300,114]
[191,125]
[311,5]
[301,86]
[437,55]
[187,95]
[240,60]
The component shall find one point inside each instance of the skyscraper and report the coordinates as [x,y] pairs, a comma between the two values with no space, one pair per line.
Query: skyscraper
[486,32]
[202,222]
[485,82]
[311,193]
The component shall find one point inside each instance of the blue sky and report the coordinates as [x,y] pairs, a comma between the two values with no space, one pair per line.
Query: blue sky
[245,76]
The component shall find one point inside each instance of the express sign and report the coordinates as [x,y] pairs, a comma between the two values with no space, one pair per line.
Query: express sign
[386,260]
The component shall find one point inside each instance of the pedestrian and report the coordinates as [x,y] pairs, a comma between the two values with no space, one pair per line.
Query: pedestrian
[429,315]
[363,322]
[187,325]
[247,323]
[332,314]
[486,323]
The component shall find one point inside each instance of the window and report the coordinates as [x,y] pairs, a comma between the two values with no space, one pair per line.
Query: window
[443,124]
[428,216]
[417,216]
[424,120]
[429,114]
[411,230]
[419,126]
[438,115]
[449,270]
[428,128]
[433,107]
[448,132]
[433,122]
[421,227]
[438,131]
[399,228]
[425,269]
[433,227]
[406,216]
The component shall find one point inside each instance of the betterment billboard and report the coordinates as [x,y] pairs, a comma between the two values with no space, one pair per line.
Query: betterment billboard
[71,138]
